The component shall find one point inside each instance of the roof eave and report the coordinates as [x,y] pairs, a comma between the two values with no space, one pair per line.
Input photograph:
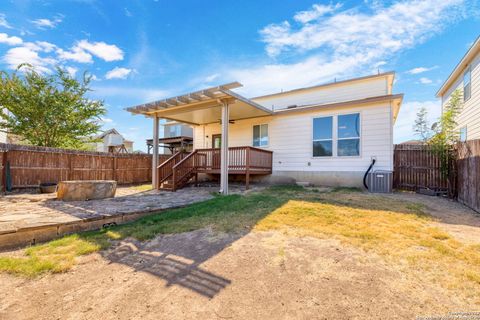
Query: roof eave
[466,59]
[371,100]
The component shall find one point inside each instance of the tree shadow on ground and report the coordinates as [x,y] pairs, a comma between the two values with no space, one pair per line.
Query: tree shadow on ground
[181,241]
[177,259]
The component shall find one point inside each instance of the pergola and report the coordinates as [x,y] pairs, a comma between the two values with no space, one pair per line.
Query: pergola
[211,105]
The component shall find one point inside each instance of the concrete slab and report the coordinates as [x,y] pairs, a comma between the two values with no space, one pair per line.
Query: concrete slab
[30,218]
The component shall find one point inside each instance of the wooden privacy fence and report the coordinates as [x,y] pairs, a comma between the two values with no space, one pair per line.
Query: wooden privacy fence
[416,166]
[29,166]
[468,174]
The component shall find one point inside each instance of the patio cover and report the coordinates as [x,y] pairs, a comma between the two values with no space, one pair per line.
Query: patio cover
[211,105]
[203,106]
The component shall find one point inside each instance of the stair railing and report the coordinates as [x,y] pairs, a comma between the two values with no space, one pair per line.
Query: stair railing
[165,170]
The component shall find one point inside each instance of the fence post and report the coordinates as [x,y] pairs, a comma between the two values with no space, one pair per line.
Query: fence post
[114,168]
[4,171]
[247,168]
[70,167]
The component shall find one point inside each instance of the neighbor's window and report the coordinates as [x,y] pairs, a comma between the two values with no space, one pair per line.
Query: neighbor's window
[467,87]
[348,143]
[175,131]
[260,135]
[323,137]
[463,134]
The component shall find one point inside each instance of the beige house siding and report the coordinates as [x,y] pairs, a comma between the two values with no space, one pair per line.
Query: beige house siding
[290,133]
[290,139]
[340,92]
[470,115]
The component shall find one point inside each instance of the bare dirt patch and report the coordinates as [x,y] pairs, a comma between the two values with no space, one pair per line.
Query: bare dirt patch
[207,275]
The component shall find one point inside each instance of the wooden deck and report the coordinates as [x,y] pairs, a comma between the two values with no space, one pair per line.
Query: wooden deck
[182,167]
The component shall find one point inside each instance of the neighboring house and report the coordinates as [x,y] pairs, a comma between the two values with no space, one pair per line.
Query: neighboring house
[112,141]
[176,136]
[3,137]
[466,78]
[326,134]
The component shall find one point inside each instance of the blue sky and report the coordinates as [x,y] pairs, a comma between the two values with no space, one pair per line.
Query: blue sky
[143,50]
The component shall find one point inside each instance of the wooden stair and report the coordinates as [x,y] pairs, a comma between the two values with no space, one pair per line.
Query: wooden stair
[177,171]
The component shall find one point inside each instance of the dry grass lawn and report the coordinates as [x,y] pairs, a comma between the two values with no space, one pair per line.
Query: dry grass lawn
[400,232]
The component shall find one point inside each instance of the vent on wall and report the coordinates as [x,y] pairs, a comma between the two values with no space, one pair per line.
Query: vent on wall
[292,106]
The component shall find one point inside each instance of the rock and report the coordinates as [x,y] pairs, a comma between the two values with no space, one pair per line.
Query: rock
[86,190]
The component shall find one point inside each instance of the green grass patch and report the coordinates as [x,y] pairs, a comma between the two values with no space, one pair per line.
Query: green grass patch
[143,187]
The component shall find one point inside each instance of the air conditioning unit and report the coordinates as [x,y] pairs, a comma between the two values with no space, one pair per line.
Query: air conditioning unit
[380,181]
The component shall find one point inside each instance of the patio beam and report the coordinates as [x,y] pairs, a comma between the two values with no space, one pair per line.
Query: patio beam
[224,149]
[155,151]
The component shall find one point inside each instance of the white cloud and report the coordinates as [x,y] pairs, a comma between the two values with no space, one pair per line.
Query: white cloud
[403,129]
[106,120]
[40,46]
[425,80]
[107,52]
[317,11]
[385,30]
[3,21]
[71,70]
[19,55]
[47,23]
[118,73]
[345,43]
[11,41]
[277,77]
[420,70]
[212,77]
[76,54]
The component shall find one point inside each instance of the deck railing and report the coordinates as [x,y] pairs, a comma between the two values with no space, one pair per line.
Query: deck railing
[240,159]
[180,168]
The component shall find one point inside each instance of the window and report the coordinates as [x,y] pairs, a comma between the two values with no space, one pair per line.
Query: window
[260,135]
[463,134]
[323,137]
[467,86]
[348,143]
[175,131]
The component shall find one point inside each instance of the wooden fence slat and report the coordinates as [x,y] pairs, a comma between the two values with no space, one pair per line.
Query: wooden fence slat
[30,166]
[416,166]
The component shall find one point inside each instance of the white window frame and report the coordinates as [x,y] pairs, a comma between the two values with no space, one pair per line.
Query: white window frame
[351,138]
[469,84]
[335,138]
[332,139]
[260,137]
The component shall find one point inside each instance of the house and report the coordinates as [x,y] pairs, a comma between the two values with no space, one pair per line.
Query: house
[466,77]
[176,137]
[112,141]
[327,134]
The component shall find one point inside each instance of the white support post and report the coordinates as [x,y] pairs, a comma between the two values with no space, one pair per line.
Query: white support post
[155,151]
[224,150]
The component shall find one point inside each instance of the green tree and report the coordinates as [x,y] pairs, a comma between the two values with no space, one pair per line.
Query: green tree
[49,110]
[446,135]
[421,126]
